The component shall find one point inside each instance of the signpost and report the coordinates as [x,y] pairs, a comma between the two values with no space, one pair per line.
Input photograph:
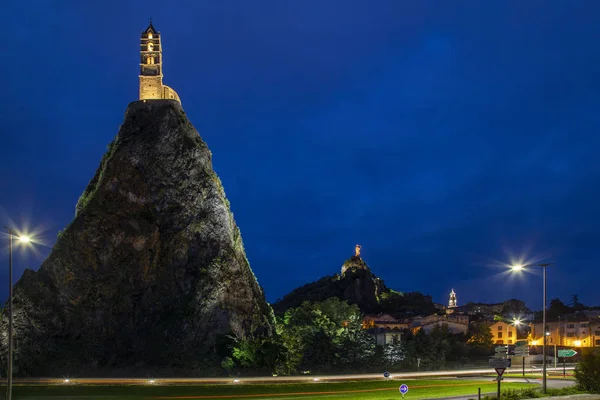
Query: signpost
[386,374]
[500,365]
[564,354]
[403,389]
[501,351]
[522,350]
[500,362]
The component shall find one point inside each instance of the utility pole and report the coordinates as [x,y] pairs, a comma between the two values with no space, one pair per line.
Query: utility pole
[10,319]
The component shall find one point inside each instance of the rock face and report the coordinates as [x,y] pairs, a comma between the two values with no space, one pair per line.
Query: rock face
[361,287]
[151,270]
[356,284]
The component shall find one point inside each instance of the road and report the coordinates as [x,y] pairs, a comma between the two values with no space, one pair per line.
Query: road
[268,379]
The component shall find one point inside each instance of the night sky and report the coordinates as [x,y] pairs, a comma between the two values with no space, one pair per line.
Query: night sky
[447,138]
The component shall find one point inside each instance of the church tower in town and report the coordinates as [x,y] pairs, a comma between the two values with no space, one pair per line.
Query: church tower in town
[151,73]
[452,301]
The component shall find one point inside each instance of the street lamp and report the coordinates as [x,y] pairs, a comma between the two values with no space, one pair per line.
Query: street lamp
[21,239]
[520,267]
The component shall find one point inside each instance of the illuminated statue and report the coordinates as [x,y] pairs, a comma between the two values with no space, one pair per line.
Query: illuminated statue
[357,250]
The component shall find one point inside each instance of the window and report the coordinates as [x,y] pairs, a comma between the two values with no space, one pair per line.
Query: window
[150,60]
[584,325]
[150,36]
[571,326]
[597,333]
[499,335]
[597,342]
[509,333]
[510,342]
[150,46]
[499,327]
[570,334]
[499,342]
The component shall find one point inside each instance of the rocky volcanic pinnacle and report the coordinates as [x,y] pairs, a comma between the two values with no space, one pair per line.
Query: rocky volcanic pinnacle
[356,284]
[151,270]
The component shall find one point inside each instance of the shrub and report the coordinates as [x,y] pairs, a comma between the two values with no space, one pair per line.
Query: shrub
[587,372]
[518,394]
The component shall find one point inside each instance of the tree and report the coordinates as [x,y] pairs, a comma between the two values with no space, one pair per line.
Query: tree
[587,373]
[557,309]
[393,354]
[576,305]
[424,348]
[479,334]
[355,345]
[323,334]
[479,339]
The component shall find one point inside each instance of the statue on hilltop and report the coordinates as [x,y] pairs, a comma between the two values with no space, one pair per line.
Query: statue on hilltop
[357,251]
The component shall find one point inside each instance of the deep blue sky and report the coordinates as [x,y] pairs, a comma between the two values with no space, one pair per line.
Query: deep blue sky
[442,136]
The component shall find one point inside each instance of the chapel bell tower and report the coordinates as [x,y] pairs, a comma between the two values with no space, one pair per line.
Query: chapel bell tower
[150,64]
[151,73]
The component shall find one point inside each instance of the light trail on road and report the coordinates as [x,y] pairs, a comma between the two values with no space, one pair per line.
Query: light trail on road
[266,379]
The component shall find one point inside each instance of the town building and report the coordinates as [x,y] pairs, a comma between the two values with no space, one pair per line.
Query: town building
[503,333]
[384,321]
[456,323]
[384,328]
[385,336]
[573,330]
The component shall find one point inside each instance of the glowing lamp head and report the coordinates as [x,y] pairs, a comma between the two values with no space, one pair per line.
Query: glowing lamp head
[517,322]
[517,267]
[24,239]
[577,343]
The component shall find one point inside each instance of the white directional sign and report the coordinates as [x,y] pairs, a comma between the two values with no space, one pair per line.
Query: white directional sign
[500,362]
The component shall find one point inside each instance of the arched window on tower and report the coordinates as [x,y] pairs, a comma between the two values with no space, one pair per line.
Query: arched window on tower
[150,60]
[150,46]
[150,35]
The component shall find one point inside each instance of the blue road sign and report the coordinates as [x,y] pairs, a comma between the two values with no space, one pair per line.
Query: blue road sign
[386,374]
[403,389]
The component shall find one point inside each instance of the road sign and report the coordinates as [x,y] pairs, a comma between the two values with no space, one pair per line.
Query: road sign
[501,349]
[521,343]
[521,351]
[500,362]
[386,374]
[566,353]
[500,371]
[403,389]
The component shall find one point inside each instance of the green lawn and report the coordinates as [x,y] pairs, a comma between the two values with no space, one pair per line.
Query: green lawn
[372,390]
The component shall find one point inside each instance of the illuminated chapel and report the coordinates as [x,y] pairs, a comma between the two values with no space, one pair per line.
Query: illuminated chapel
[151,73]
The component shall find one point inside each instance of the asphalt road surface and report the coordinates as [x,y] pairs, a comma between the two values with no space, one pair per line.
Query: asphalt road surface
[282,379]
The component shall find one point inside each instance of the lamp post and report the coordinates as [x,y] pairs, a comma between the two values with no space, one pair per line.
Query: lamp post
[23,239]
[544,266]
[517,323]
